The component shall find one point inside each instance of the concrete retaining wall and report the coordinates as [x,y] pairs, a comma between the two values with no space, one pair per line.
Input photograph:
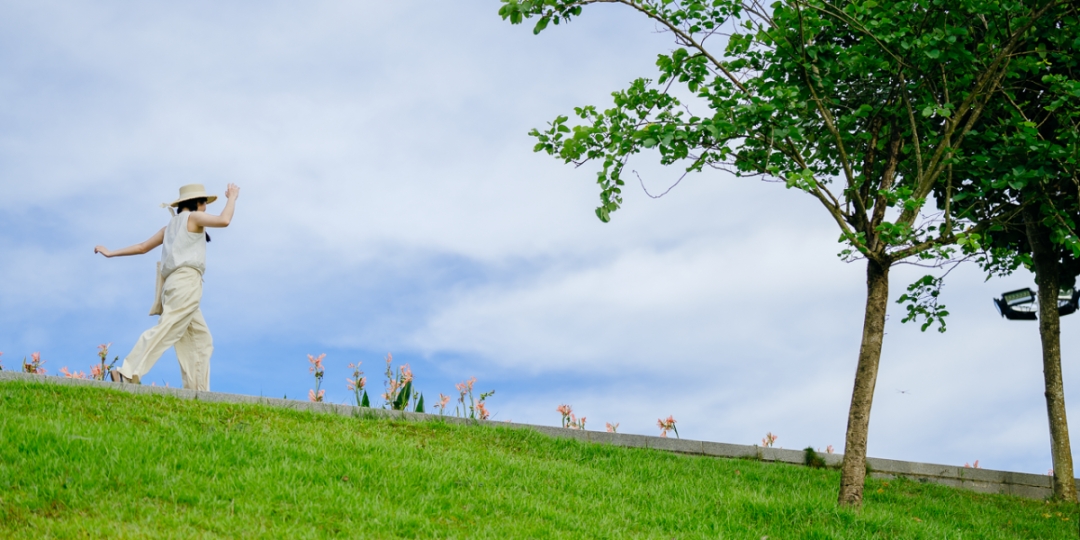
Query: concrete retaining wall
[1032,486]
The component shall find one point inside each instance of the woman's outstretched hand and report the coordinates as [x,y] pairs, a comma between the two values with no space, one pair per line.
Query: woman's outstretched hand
[137,249]
[232,191]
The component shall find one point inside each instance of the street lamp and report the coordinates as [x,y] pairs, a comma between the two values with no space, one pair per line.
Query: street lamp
[1020,305]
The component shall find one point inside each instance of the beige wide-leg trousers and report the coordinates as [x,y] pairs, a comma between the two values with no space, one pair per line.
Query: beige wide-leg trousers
[181,325]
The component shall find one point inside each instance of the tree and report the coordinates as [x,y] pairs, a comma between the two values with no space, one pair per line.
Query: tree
[1032,172]
[865,107]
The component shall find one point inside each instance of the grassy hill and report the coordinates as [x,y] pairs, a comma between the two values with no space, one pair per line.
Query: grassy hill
[89,462]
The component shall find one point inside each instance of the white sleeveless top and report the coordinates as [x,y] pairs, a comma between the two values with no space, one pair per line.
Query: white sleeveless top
[181,247]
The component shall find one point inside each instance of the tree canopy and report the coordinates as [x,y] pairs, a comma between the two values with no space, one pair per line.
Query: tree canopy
[867,107]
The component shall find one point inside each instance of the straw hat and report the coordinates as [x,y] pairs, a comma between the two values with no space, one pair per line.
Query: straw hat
[193,191]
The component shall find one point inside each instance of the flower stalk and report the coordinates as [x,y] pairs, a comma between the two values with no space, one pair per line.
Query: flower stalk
[317,394]
[356,386]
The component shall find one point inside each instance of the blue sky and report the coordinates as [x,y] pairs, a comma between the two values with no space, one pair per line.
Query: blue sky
[391,203]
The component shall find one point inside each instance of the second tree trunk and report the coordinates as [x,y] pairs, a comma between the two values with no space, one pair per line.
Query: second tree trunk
[1047,277]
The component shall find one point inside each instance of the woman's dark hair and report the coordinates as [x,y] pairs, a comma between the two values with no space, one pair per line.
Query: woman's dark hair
[192,205]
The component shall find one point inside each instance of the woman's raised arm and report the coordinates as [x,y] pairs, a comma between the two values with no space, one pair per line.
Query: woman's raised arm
[202,219]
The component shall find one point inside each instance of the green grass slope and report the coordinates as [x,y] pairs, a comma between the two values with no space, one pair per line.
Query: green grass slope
[87,462]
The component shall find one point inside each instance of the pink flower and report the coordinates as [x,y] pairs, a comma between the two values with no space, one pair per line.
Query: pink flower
[392,391]
[35,364]
[829,449]
[70,375]
[769,439]
[443,400]
[95,372]
[312,396]
[612,428]
[574,422]
[482,410]
[358,384]
[406,374]
[566,413]
[316,364]
[667,425]
[465,387]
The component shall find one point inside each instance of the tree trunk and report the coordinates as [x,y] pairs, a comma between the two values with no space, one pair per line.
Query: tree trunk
[853,472]
[1047,276]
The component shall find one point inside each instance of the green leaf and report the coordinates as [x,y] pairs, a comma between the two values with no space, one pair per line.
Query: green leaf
[402,398]
[541,25]
[933,53]
[364,402]
[420,404]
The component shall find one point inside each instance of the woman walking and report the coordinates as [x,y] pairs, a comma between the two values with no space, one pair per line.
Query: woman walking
[183,261]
